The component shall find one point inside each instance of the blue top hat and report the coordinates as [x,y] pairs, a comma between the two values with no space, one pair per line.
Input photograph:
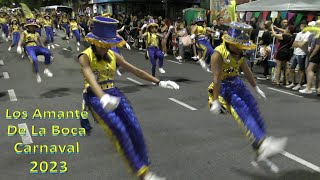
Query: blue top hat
[104,33]
[31,22]
[199,19]
[152,23]
[239,35]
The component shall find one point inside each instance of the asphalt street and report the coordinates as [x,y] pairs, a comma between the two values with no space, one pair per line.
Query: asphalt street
[185,141]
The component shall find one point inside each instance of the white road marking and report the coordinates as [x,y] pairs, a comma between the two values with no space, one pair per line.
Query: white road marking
[285,92]
[12,95]
[5,75]
[1,62]
[174,62]
[57,45]
[301,161]
[183,104]
[26,138]
[66,49]
[135,81]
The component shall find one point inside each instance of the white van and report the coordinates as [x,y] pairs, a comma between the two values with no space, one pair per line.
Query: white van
[49,9]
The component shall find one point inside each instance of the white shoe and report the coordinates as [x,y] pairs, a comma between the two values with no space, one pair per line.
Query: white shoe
[49,46]
[203,64]
[290,86]
[38,78]
[153,83]
[209,70]
[161,70]
[140,49]
[270,147]
[48,73]
[152,176]
[7,39]
[179,58]
[165,55]
[52,46]
[9,49]
[78,49]
[78,43]
[195,57]
[298,87]
[306,91]
[119,73]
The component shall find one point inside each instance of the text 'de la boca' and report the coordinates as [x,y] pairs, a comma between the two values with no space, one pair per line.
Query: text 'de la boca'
[54,131]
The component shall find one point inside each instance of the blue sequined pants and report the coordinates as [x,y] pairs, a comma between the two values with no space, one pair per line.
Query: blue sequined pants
[154,53]
[237,99]
[49,34]
[206,48]
[123,126]
[66,29]
[34,51]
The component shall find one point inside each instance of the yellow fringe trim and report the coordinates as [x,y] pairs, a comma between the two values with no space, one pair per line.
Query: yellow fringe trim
[105,44]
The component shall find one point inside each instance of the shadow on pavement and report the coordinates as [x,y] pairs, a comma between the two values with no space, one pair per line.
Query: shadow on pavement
[177,79]
[297,174]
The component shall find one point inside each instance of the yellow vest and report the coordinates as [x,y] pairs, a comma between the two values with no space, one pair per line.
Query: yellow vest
[15,28]
[74,26]
[39,21]
[64,20]
[200,30]
[47,23]
[152,40]
[3,21]
[30,38]
[103,70]
[230,66]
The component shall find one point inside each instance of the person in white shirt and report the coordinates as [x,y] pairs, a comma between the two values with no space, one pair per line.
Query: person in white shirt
[299,57]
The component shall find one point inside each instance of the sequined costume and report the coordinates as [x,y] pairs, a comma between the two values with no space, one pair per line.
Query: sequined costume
[48,26]
[236,98]
[121,124]
[33,50]
[15,29]
[203,44]
[154,52]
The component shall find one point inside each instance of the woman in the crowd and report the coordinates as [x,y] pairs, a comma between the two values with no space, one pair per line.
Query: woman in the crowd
[284,52]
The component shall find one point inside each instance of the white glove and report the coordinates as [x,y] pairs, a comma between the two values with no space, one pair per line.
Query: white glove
[9,37]
[109,103]
[260,93]
[19,50]
[58,26]
[169,85]
[128,46]
[193,36]
[122,28]
[144,26]
[216,108]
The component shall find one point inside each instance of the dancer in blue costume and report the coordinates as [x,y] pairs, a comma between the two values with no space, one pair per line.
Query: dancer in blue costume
[153,50]
[109,106]
[227,92]
[33,46]
[199,32]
